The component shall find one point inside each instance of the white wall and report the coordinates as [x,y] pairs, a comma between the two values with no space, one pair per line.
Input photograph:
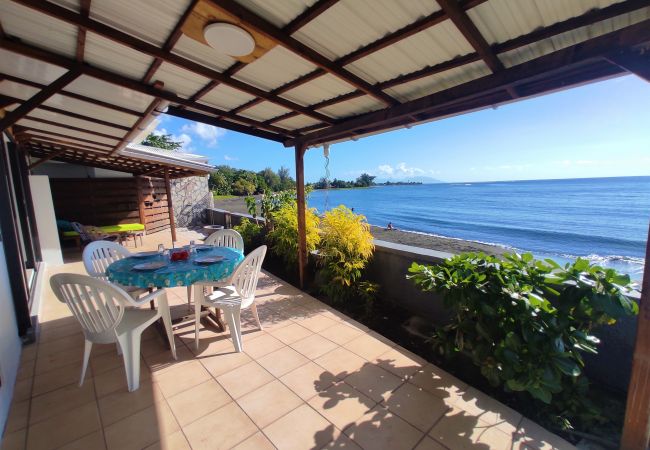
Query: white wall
[10,345]
[48,234]
[56,169]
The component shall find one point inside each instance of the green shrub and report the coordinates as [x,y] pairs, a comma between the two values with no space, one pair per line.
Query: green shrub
[526,323]
[251,232]
[344,250]
[284,235]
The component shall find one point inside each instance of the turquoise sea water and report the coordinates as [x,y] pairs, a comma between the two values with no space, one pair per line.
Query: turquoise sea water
[603,219]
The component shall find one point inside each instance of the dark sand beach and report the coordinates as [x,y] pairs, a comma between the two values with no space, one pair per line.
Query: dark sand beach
[442,244]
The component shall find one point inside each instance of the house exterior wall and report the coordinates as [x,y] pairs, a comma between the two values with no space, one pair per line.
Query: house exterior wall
[190,196]
[48,233]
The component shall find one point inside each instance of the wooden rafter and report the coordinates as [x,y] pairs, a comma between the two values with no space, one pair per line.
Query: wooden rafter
[172,39]
[637,63]
[34,102]
[47,158]
[144,47]
[31,130]
[555,62]
[84,9]
[278,35]
[73,128]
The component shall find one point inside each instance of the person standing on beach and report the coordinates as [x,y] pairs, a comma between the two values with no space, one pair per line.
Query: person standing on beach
[390,226]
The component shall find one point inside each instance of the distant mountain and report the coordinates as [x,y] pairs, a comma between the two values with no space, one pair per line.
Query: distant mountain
[416,179]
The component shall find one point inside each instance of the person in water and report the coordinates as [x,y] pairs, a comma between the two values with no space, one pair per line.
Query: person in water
[390,226]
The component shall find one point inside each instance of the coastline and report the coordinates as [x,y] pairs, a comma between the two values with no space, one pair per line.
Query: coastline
[422,240]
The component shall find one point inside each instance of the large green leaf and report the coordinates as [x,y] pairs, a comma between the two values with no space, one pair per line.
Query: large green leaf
[567,366]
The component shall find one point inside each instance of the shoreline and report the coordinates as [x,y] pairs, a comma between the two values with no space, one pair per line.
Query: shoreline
[415,239]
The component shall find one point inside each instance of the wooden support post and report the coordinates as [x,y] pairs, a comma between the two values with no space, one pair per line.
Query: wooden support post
[170,206]
[302,229]
[636,428]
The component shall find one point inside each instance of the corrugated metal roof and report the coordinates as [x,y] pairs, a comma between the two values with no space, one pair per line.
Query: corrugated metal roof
[226,97]
[264,111]
[350,24]
[274,68]
[278,12]
[296,122]
[146,19]
[28,68]
[185,160]
[202,54]
[89,110]
[104,53]
[181,81]
[72,133]
[72,121]
[322,88]
[353,107]
[438,82]
[545,46]
[427,48]
[74,5]
[17,90]
[38,29]
[102,90]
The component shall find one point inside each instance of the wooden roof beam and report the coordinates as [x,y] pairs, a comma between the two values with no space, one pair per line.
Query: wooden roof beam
[84,9]
[281,37]
[128,83]
[636,62]
[70,127]
[30,130]
[144,47]
[556,62]
[34,102]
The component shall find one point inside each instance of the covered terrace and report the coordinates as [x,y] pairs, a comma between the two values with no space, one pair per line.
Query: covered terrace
[81,79]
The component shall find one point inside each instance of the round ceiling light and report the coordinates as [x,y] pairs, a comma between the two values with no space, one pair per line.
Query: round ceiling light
[229,39]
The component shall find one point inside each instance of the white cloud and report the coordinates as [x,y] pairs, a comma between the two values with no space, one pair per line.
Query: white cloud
[184,138]
[207,133]
[385,169]
[230,158]
[400,170]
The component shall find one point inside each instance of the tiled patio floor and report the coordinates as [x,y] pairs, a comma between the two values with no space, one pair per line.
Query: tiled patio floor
[313,378]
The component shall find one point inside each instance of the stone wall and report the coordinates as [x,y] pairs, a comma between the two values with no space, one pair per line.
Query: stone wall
[191,197]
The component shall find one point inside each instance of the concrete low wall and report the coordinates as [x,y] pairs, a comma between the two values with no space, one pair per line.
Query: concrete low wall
[389,267]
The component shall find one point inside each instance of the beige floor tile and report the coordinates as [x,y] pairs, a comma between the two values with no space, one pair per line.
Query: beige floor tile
[93,441]
[282,361]
[174,441]
[268,403]
[308,380]
[28,353]
[221,429]
[341,404]
[47,363]
[314,346]
[317,322]
[380,429]
[290,333]
[462,430]
[14,441]
[340,362]
[341,333]
[106,361]
[58,378]
[155,345]
[373,381]
[198,401]
[440,383]
[417,406]
[23,389]
[181,377]
[532,436]
[225,362]
[115,379]
[26,370]
[261,344]
[367,346]
[210,343]
[141,429]
[342,442]
[61,401]
[256,442]
[69,327]
[244,379]
[163,361]
[401,362]
[489,410]
[303,428]
[58,430]
[18,416]
[429,444]
[122,403]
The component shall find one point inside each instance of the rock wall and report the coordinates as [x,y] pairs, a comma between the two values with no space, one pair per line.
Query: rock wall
[190,196]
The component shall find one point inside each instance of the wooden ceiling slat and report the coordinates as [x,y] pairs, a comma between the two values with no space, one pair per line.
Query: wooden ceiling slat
[25,108]
[30,129]
[84,9]
[128,40]
[70,127]
[539,68]
[155,108]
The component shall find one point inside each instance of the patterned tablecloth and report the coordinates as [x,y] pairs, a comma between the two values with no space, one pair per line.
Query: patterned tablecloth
[177,273]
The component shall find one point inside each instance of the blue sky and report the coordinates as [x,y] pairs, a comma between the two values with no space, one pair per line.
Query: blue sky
[598,130]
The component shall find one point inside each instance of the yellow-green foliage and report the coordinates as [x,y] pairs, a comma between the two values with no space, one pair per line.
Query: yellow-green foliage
[284,236]
[346,246]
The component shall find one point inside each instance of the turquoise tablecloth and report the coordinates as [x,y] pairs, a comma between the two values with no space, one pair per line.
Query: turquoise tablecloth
[178,273]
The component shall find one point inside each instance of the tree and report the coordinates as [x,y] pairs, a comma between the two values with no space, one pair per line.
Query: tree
[163,141]
[219,183]
[243,187]
[286,182]
[272,179]
[364,180]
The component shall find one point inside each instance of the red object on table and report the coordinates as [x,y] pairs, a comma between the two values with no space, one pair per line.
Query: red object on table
[180,255]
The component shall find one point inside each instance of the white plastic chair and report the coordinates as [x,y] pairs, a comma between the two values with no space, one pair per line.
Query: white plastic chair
[232,299]
[221,238]
[100,308]
[98,255]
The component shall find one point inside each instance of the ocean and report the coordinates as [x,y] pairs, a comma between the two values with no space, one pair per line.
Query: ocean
[602,219]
